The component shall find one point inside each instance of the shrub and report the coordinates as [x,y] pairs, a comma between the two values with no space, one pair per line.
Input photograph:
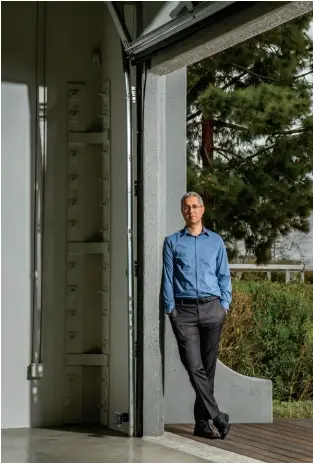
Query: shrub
[300,409]
[253,276]
[278,277]
[308,277]
[269,334]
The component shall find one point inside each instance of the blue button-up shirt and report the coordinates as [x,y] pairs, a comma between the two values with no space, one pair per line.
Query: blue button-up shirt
[195,267]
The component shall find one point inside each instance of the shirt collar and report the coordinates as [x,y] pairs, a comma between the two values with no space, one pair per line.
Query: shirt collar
[185,231]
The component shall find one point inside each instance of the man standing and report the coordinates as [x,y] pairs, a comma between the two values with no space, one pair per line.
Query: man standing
[197,293]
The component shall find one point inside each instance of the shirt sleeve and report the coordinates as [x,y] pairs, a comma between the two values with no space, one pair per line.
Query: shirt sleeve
[223,276]
[168,276]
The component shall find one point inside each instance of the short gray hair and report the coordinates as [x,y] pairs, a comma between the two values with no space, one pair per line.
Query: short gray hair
[191,194]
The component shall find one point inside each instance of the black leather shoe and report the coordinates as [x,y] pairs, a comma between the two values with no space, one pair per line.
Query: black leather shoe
[221,422]
[205,429]
[225,415]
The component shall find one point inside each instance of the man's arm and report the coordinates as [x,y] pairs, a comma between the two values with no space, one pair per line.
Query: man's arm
[223,276]
[168,276]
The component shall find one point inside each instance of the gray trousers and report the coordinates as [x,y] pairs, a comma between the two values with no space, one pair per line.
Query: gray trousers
[198,328]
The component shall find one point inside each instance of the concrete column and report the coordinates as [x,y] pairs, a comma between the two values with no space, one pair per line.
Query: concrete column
[164,168]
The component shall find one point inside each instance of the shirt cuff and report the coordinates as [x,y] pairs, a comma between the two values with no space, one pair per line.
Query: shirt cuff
[168,310]
[225,304]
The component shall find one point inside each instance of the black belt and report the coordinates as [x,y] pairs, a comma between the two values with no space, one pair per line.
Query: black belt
[202,300]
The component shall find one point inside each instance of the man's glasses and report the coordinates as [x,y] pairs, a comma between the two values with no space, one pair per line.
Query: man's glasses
[194,207]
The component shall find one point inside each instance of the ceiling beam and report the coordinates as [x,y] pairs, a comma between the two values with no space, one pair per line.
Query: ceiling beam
[226,33]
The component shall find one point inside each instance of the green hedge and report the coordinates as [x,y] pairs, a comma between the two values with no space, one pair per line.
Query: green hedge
[269,334]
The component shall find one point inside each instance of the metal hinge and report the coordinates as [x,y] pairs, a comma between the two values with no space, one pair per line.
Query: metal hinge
[136,188]
[136,268]
[136,349]
[133,92]
[121,418]
[34,371]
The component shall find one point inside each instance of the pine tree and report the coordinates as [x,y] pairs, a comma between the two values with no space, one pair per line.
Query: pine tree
[250,137]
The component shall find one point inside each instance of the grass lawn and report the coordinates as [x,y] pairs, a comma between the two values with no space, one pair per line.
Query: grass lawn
[299,409]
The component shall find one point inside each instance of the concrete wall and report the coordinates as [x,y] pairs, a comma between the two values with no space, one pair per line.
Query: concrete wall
[17,138]
[16,254]
[73,31]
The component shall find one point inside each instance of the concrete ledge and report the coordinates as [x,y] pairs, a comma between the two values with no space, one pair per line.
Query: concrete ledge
[246,399]
[197,449]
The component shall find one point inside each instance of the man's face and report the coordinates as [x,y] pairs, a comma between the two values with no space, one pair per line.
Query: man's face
[192,210]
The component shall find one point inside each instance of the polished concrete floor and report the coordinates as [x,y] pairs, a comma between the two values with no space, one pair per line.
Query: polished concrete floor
[77,446]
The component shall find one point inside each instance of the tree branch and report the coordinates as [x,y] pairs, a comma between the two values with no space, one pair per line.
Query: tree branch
[192,116]
[242,161]
[200,85]
[262,150]
[218,123]
[233,80]
[248,71]
[305,74]
[221,151]
[229,84]
[229,125]
[290,132]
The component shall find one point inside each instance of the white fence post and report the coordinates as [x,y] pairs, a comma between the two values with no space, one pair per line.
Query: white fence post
[302,276]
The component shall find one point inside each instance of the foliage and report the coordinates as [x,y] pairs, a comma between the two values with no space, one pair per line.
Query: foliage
[301,409]
[250,143]
[269,334]
[308,277]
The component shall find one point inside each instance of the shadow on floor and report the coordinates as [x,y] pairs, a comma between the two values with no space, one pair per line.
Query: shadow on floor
[88,430]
